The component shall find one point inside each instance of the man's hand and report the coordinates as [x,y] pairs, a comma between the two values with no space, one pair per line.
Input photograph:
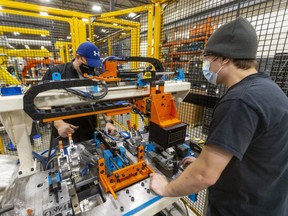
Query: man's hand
[64,128]
[110,129]
[187,160]
[158,184]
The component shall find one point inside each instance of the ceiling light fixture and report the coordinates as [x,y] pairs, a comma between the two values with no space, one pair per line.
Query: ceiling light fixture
[103,30]
[115,24]
[68,37]
[42,35]
[85,20]
[16,33]
[96,8]
[43,13]
[1,8]
[132,14]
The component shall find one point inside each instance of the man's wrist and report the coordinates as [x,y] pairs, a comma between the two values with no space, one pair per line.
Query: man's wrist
[109,121]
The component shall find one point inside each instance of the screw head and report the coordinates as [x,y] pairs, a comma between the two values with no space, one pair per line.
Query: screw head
[121,208]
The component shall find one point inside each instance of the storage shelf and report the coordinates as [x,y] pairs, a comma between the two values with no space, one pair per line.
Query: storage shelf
[184,41]
[174,63]
[184,53]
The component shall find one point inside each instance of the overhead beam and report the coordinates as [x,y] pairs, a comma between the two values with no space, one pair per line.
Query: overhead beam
[24,30]
[125,11]
[36,15]
[37,8]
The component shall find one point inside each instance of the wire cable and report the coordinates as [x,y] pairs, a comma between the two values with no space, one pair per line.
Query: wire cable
[52,154]
[87,95]
[40,158]
[48,162]
[137,111]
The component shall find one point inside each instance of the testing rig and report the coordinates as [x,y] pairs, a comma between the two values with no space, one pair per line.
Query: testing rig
[105,175]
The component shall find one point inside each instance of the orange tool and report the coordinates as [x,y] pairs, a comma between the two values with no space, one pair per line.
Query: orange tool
[126,176]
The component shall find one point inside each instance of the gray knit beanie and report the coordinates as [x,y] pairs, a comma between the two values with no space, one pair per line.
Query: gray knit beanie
[235,40]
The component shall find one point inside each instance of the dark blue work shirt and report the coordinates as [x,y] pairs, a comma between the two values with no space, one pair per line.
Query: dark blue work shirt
[87,124]
[251,122]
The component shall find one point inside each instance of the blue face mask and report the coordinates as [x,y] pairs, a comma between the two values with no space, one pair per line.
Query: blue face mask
[209,75]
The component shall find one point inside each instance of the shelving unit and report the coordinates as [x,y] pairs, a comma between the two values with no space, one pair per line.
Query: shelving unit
[178,52]
[183,48]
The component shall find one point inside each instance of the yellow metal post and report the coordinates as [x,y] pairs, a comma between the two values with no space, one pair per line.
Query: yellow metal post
[135,44]
[150,31]
[64,50]
[67,52]
[91,31]
[73,32]
[2,149]
[62,54]
[157,30]
[78,33]
[82,31]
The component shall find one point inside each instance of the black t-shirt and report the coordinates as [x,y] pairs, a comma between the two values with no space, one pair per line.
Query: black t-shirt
[86,124]
[251,122]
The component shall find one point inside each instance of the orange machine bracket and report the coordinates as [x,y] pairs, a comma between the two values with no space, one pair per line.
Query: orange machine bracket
[163,110]
[124,177]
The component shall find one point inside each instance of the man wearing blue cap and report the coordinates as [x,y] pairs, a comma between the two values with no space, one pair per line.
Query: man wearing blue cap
[87,59]
[244,162]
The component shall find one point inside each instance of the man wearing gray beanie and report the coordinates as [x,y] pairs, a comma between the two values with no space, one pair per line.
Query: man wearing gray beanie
[244,163]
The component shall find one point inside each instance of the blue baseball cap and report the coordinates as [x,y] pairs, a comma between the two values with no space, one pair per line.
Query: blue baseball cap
[91,53]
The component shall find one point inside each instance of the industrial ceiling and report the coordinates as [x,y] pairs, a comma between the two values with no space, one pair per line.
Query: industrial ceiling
[85,6]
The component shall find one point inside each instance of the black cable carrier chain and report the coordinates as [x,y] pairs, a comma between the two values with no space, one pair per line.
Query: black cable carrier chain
[39,114]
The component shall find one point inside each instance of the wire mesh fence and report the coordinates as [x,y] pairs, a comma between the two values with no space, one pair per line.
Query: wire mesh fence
[186,28]
[29,45]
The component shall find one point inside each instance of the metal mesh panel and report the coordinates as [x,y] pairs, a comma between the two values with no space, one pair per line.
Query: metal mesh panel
[198,206]
[123,35]
[30,45]
[187,26]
